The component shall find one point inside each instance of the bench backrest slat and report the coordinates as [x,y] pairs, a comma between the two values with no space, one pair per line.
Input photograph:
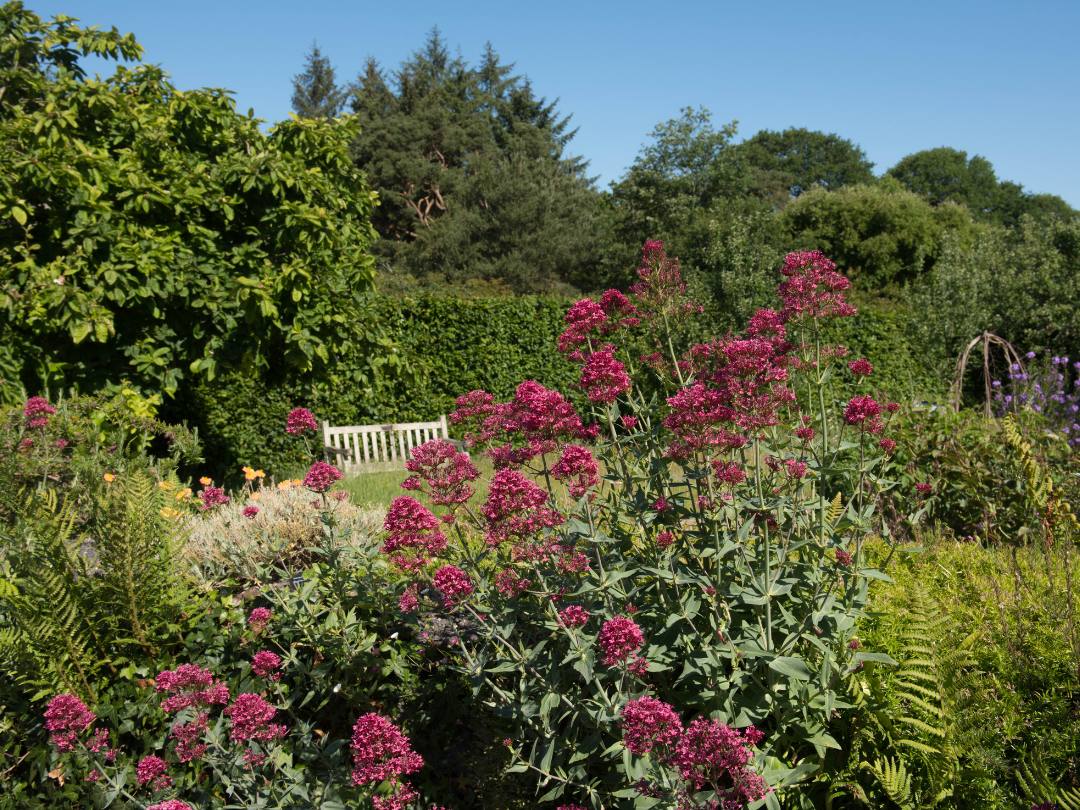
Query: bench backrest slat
[371,448]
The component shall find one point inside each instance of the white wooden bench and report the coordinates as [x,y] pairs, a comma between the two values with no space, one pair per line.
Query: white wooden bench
[376,448]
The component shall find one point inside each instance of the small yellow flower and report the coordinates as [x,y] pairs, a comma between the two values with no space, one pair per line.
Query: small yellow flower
[183,494]
[283,485]
[166,485]
[109,478]
[260,474]
[206,481]
[256,495]
[249,473]
[169,512]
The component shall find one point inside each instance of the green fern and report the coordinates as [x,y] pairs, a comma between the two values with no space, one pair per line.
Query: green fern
[1039,787]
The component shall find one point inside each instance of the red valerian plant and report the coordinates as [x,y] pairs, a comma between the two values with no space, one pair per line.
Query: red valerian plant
[242,747]
[691,548]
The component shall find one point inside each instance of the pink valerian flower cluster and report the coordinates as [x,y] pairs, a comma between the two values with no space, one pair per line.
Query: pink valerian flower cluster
[67,717]
[603,378]
[665,539]
[863,410]
[266,664]
[660,289]
[649,724]
[152,770]
[300,421]
[749,374]
[409,600]
[619,638]
[250,717]
[536,421]
[574,616]
[189,738]
[712,754]
[190,685]
[412,534]
[812,288]
[211,497]
[321,476]
[453,583]
[37,411]
[861,367]
[250,511]
[707,754]
[588,321]
[700,419]
[444,470]
[516,509]
[171,804]
[382,753]
[576,468]
[510,584]
[728,472]
[258,619]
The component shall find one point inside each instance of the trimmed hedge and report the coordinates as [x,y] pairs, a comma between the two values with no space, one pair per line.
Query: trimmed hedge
[430,349]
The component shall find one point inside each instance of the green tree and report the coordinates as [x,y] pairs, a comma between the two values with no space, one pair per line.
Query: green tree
[798,160]
[948,175]
[879,235]
[153,234]
[684,170]
[316,93]
[475,182]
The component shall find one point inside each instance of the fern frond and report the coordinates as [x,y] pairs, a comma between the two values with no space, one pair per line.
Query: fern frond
[894,779]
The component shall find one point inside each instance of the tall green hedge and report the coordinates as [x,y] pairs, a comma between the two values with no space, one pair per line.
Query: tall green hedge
[433,348]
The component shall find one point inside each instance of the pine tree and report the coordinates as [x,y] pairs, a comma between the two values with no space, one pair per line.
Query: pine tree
[315,91]
[473,175]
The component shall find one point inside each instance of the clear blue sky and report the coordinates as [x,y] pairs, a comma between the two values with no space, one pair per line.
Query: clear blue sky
[1000,78]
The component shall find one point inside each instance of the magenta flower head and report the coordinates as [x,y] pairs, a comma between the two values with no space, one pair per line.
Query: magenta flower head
[258,619]
[864,410]
[603,377]
[577,469]
[189,685]
[171,804]
[65,718]
[250,511]
[37,411]
[211,497]
[321,476]
[444,470]
[453,583]
[265,664]
[412,534]
[574,616]
[711,753]
[648,723]
[381,752]
[861,367]
[300,421]
[153,770]
[250,716]
[812,287]
[516,508]
[618,639]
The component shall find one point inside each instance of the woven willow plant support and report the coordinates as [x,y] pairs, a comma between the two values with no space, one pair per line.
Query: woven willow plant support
[988,340]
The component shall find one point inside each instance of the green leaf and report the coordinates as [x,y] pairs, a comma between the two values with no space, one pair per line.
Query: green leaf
[19,214]
[791,666]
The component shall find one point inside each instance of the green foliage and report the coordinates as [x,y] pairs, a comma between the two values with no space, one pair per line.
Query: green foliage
[987,681]
[442,347]
[85,559]
[156,235]
[948,175]
[1020,284]
[316,93]
[473,178]
[798,160]
[879,235]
